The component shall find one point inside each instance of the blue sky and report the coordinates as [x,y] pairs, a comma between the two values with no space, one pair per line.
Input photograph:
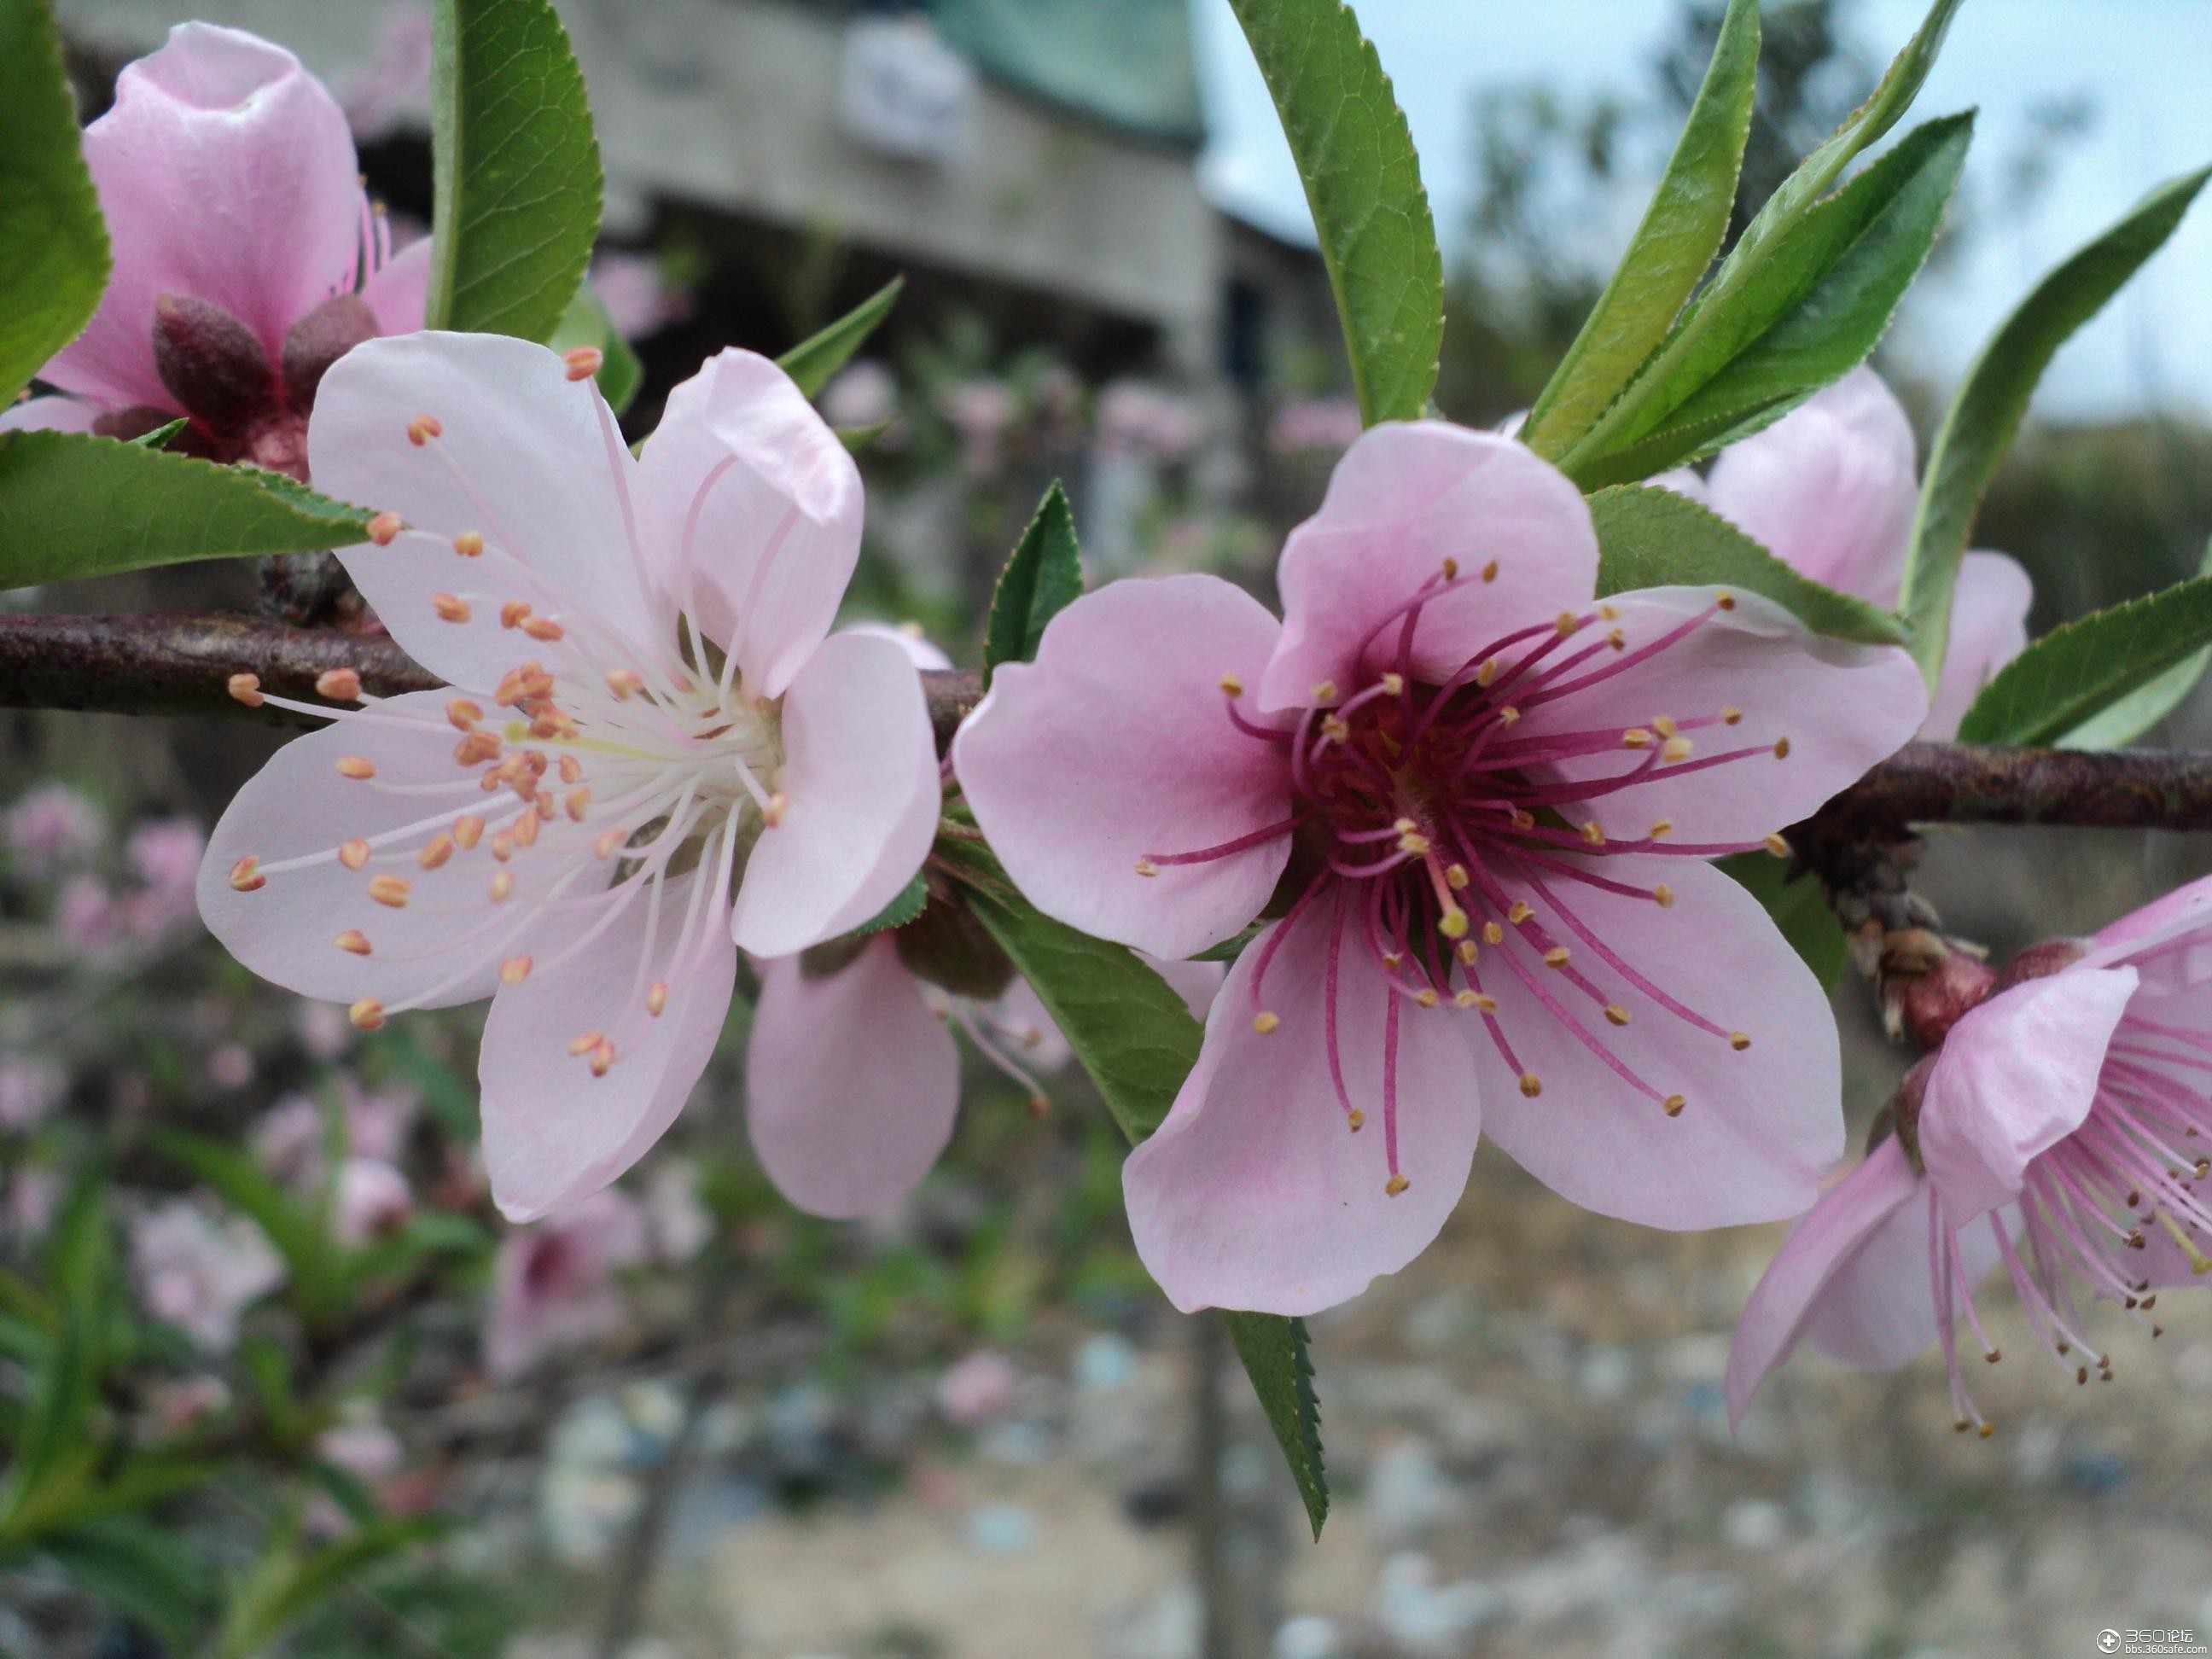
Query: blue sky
[2146,63]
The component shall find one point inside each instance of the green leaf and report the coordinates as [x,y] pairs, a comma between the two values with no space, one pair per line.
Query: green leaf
[515,169]
[2075,673]
[1042,578]
[1648,536]
[1681,231]
[287,1586]
[586,323]
[909,903]
[145,1571]
[1799,908]
[54,243]
[1363,182]
[1809,312]
[72,505]
[1137,1039]
[48,1458]
[819,356]
[1983,418]
[159,436]
[2120,722]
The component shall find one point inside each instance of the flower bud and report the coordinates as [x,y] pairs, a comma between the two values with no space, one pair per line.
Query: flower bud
[210,361]
[945,945]
[320,339]
[2043,960]
[1927,982]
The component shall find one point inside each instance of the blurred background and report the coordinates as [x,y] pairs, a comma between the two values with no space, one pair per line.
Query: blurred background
[693,1422]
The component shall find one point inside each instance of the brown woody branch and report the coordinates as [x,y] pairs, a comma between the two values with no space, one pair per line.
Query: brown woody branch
[178,664]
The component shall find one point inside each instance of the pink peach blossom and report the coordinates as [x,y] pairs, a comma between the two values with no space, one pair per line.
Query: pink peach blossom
[165,855]
[31,1086]
[1831,489]
[50,826]
[200,1274]
[86,915]
[553,1284]
[247,257]
[2067,1112]
[1487,798]
[645,706]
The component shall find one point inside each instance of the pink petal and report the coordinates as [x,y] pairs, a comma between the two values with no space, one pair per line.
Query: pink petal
[860,774]
[2015,1077]
[50,415]
[851,1082]
[1254,1193]
[1842,707]
[1033,1035]
[227,173]
[1989,629]
[1683,482]
[1116,744]
[1761,1124]
[771,499]
[1404,499]
[1831,488]
[2188,903]
[297,805]
[543,487]
[553,1132]
[397,291]
[1196,983]
[1877,1316]
[919,651]
[2169,943]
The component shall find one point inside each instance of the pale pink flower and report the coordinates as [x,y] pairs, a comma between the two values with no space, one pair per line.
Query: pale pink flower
[200,1274]
[165,855]
[604,806]
[553,1284]
[370,1198]
[230,1065]
[1831,489]
[638,298]
[1327,426]
[34,1198]
[241,236]
[289,1141]
[1138,418]
[322,1031]
[31,1086]
[1492,796]
[977,1388]
[676,1220]
[50,826]
[188,1403]
[865,394]
[980,412]
[86,917]
[2067,1115]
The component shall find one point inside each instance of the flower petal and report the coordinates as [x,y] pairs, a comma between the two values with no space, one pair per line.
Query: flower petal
[1989,629]
[1872,1314]
[297,805]
[544,486]
[860,773]
[1761,1123]
[1404,499]
[227,173]
[1115,744]
[1254,1193]
[49,414]
[744,471]
[1831,488]
[397,290]
[2015,1077]
[851,1082]
[553,1131]
[1841,706]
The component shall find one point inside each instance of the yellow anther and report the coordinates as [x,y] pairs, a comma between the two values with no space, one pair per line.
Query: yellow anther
[1396,1185]
[656,1000]
[1662,828]
[1463,999]
[1335,729]
[1489,571]
[1664,725]
[245,688]
[1450,568]
[367,1015]
[1414,842]
[602,1058]
[1466,950]
[1739,1041]
[525,827]
[1557,956]
[1324,691]
[1567,623]
[1523,820]
[1394,960]
[356,766]
[1616,1013]
[384,528]
[464,715]
[470,545]
[352,941]
[543,628]
[1357,1118]
[1453,924]
[338,684]
[609,842]
[354,852]
[1531,1084]
[1508,714]
[422,428]
[502,845]
[450,607]
[1725,599]
[245,876]
[1616,638]
[1636,737]
[623,681]
[468,830]
[1146,867]
[1486,1004]
[572,769]
[1492,934]
[1426,997]
[436,851]
[585,1042]
[1405,826]
[1664,895]
[1730,716]
[392,891]
[1782,749]
[577,804]
[1264,1021]
[583,362]
[1456,877]
[1609,613]
[1232,685]
[1394,685]
[1674,750]
[514,970]
[1520,913]
[1488,673]
[1594,833]
[475,749]
[511,614]
[1672,1105]
[502,883]
[1777,846]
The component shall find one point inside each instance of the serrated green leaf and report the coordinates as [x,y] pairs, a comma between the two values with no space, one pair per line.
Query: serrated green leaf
[1043,577]
[2121,721]
[1798,909]
[149,1572]
[1681,231]
[515,169]
[1808,313]
[1135,1038]
[821,354]
[72,505]
[586,323]
[1648,536]
[909,903]
[2075,672]
[1362,181]
[54,243]
[1983,419]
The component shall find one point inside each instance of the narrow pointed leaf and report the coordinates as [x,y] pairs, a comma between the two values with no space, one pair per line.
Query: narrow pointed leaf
[72,505]
[54,243]
[1044,576]
[1985,416]
[821,354]
[1681,231]
[1648,536]
[2075,673]
[1363,180]
[1276,1357]
[515,169]
[2120,722]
